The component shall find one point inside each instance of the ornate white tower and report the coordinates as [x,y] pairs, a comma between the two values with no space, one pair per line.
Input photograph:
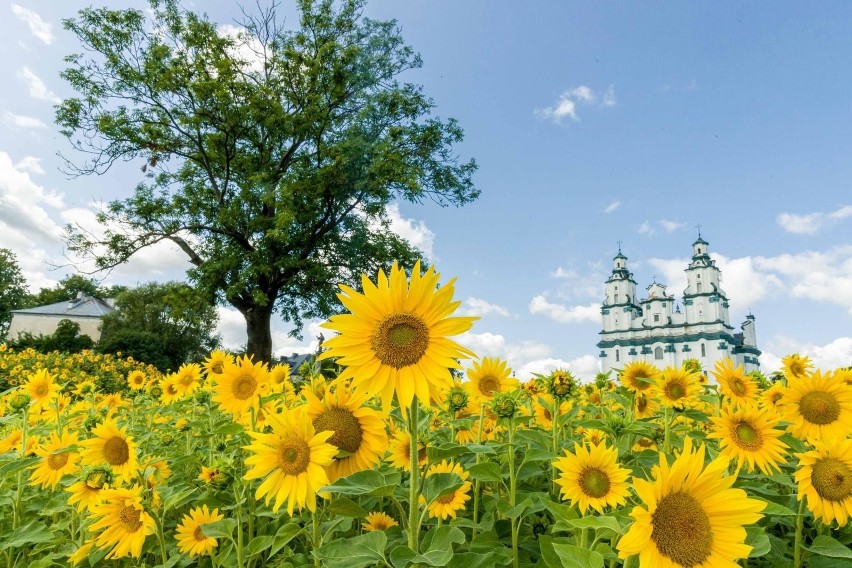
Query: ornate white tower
[620,303]
[704,300]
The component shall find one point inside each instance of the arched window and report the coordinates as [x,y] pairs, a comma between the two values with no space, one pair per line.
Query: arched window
[658,353]
[617,356]
[703,351]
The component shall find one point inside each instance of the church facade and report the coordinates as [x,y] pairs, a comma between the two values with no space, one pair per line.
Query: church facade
[656,330]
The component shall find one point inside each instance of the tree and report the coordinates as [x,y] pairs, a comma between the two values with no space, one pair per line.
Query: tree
[272,171]
[161,324]
[68,289]
[13,289]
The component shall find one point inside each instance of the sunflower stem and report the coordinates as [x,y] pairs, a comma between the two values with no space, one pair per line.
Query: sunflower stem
[554,490]
[161,538]
[414,478]
[797,547]
[667,432]
[476,483]
[316,539]
[513,486]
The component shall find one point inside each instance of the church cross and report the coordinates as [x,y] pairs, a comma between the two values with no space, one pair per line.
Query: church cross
[698,226]
[619,247]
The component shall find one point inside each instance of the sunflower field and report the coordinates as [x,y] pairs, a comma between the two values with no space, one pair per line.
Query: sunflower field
[419,453]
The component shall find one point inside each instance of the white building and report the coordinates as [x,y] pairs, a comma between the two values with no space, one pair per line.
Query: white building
[654,329]
[42,320]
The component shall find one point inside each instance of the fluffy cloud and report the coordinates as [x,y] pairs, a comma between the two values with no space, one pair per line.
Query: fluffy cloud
[612,206]
[671,226]
[832,355]
[21,121]
[564,314]
[580,285]
[39,28]
[479,307]
[38,89]
[413,230]
[646,229]
[232,329]
[810,223]
[584,367]
[567,103]
[246,48]
[30,164]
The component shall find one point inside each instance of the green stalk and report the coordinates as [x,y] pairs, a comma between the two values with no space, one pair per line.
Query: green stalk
[161,538]
[317,538]
[414,478]
[797,547]
[476,483]
[513,486]
[554,489]
[668,429]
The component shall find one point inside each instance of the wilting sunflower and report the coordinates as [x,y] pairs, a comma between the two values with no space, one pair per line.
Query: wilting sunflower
[825,478]
[639,376]
[111,446]
[448,505]
[797,366]
[58,459]
[734,384]
[400,451]
[748,434]
[395,340]
[488,377]
[773,398]
[591,477]
[42,390]
[89,492]
[136,379]
[359,431]
[188,378]
[292,458]
[190,533]
[214,365]
[240,385]
[689,516]
[818,407]
[378,521]
[677,388]
[121,522]
[645,405]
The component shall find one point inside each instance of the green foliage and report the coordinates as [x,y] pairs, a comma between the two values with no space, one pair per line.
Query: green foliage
[164,325]
[13,289]
[69,288]
[279,169]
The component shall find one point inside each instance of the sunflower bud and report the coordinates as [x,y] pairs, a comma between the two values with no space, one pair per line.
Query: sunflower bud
[156,391]
[202,397]
[504,405]
[562,384]
[539,525]
[19,400]
[457,399]
[602,380]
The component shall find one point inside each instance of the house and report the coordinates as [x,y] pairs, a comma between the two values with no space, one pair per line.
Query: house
[86,311]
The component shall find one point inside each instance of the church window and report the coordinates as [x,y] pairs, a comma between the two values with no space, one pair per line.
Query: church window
[703,350]
[617,356]
[658,353]
[656,318]
[699,287]
[616,298]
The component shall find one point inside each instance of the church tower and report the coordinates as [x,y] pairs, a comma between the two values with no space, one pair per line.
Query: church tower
[619,305]
[704,300]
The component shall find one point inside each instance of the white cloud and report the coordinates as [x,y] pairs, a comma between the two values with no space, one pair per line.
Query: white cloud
[414,231]
[37,87]
[30,164]
[232,329]
[39,28]
[584,368]
[567,103]
[671,226]
[246,49]
[810,223]
[479,307]
[612,206]
[833,355]
[564,314]
[21,121]
[580,284]
[646,229]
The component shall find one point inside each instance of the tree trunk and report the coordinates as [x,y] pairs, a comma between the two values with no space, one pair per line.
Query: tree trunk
[259,346]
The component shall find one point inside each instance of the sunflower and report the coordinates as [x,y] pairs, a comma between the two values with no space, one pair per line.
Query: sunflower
[113,447]
[645,405]
[81,553]
[12,441]
[292,458]
[190,533]
[488,377]
[188,378]
[400,451]
[240,385]
[58,459]
[359,431]
[749,435]
[211,475]
[121,522]
[88,492]
[591,477]
[395,340]
[690,515]
[797,366]
[734,384]
[448,505]
[543,410]
[171,391]
[378,521]
[825,478]
[594,437]
[136,379]
[818,407]
[773,398]
[42,390]
[215,364]
[677,388]
[279,379]
[638,376]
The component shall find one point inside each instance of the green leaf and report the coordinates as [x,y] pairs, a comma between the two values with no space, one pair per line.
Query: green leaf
[178,498]
[538,455]
[446,451]
[284,535]
[439,485]
[17,465]
[576,557]
[826,546]
[757,538]
[260,543]
[438,543]
[480,449]
[223,528]
[596,523]
[516,511]
[367,482]
[33,532]
[346,507]
[487,472]
[480,560]
[776,510]
[356,552]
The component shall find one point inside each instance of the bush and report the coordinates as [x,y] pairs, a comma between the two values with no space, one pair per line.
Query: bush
[143,346]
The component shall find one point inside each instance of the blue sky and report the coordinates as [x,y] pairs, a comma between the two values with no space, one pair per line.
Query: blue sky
[590,125]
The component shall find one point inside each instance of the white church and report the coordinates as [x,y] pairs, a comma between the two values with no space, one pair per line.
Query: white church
[654,328]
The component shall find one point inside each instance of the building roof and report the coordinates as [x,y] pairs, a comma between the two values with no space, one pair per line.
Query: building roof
[85,306]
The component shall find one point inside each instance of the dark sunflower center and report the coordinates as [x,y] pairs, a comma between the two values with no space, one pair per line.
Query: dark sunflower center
[776,397]
[675,390]
[446,499]
[547,414]
[747,437]
[116,451]
[42,390]
[641,403]
[57,461]
[129,517]
[738,386]
[244,386]
[832,479]
[187,380]
[346,427]
[400,340]
[488,385]
[380,524]
[797,369]
[198,534]
[216,368]
[421,452]
[170,388]
[594,482]
[819,407]
[681,530]
[295,456]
